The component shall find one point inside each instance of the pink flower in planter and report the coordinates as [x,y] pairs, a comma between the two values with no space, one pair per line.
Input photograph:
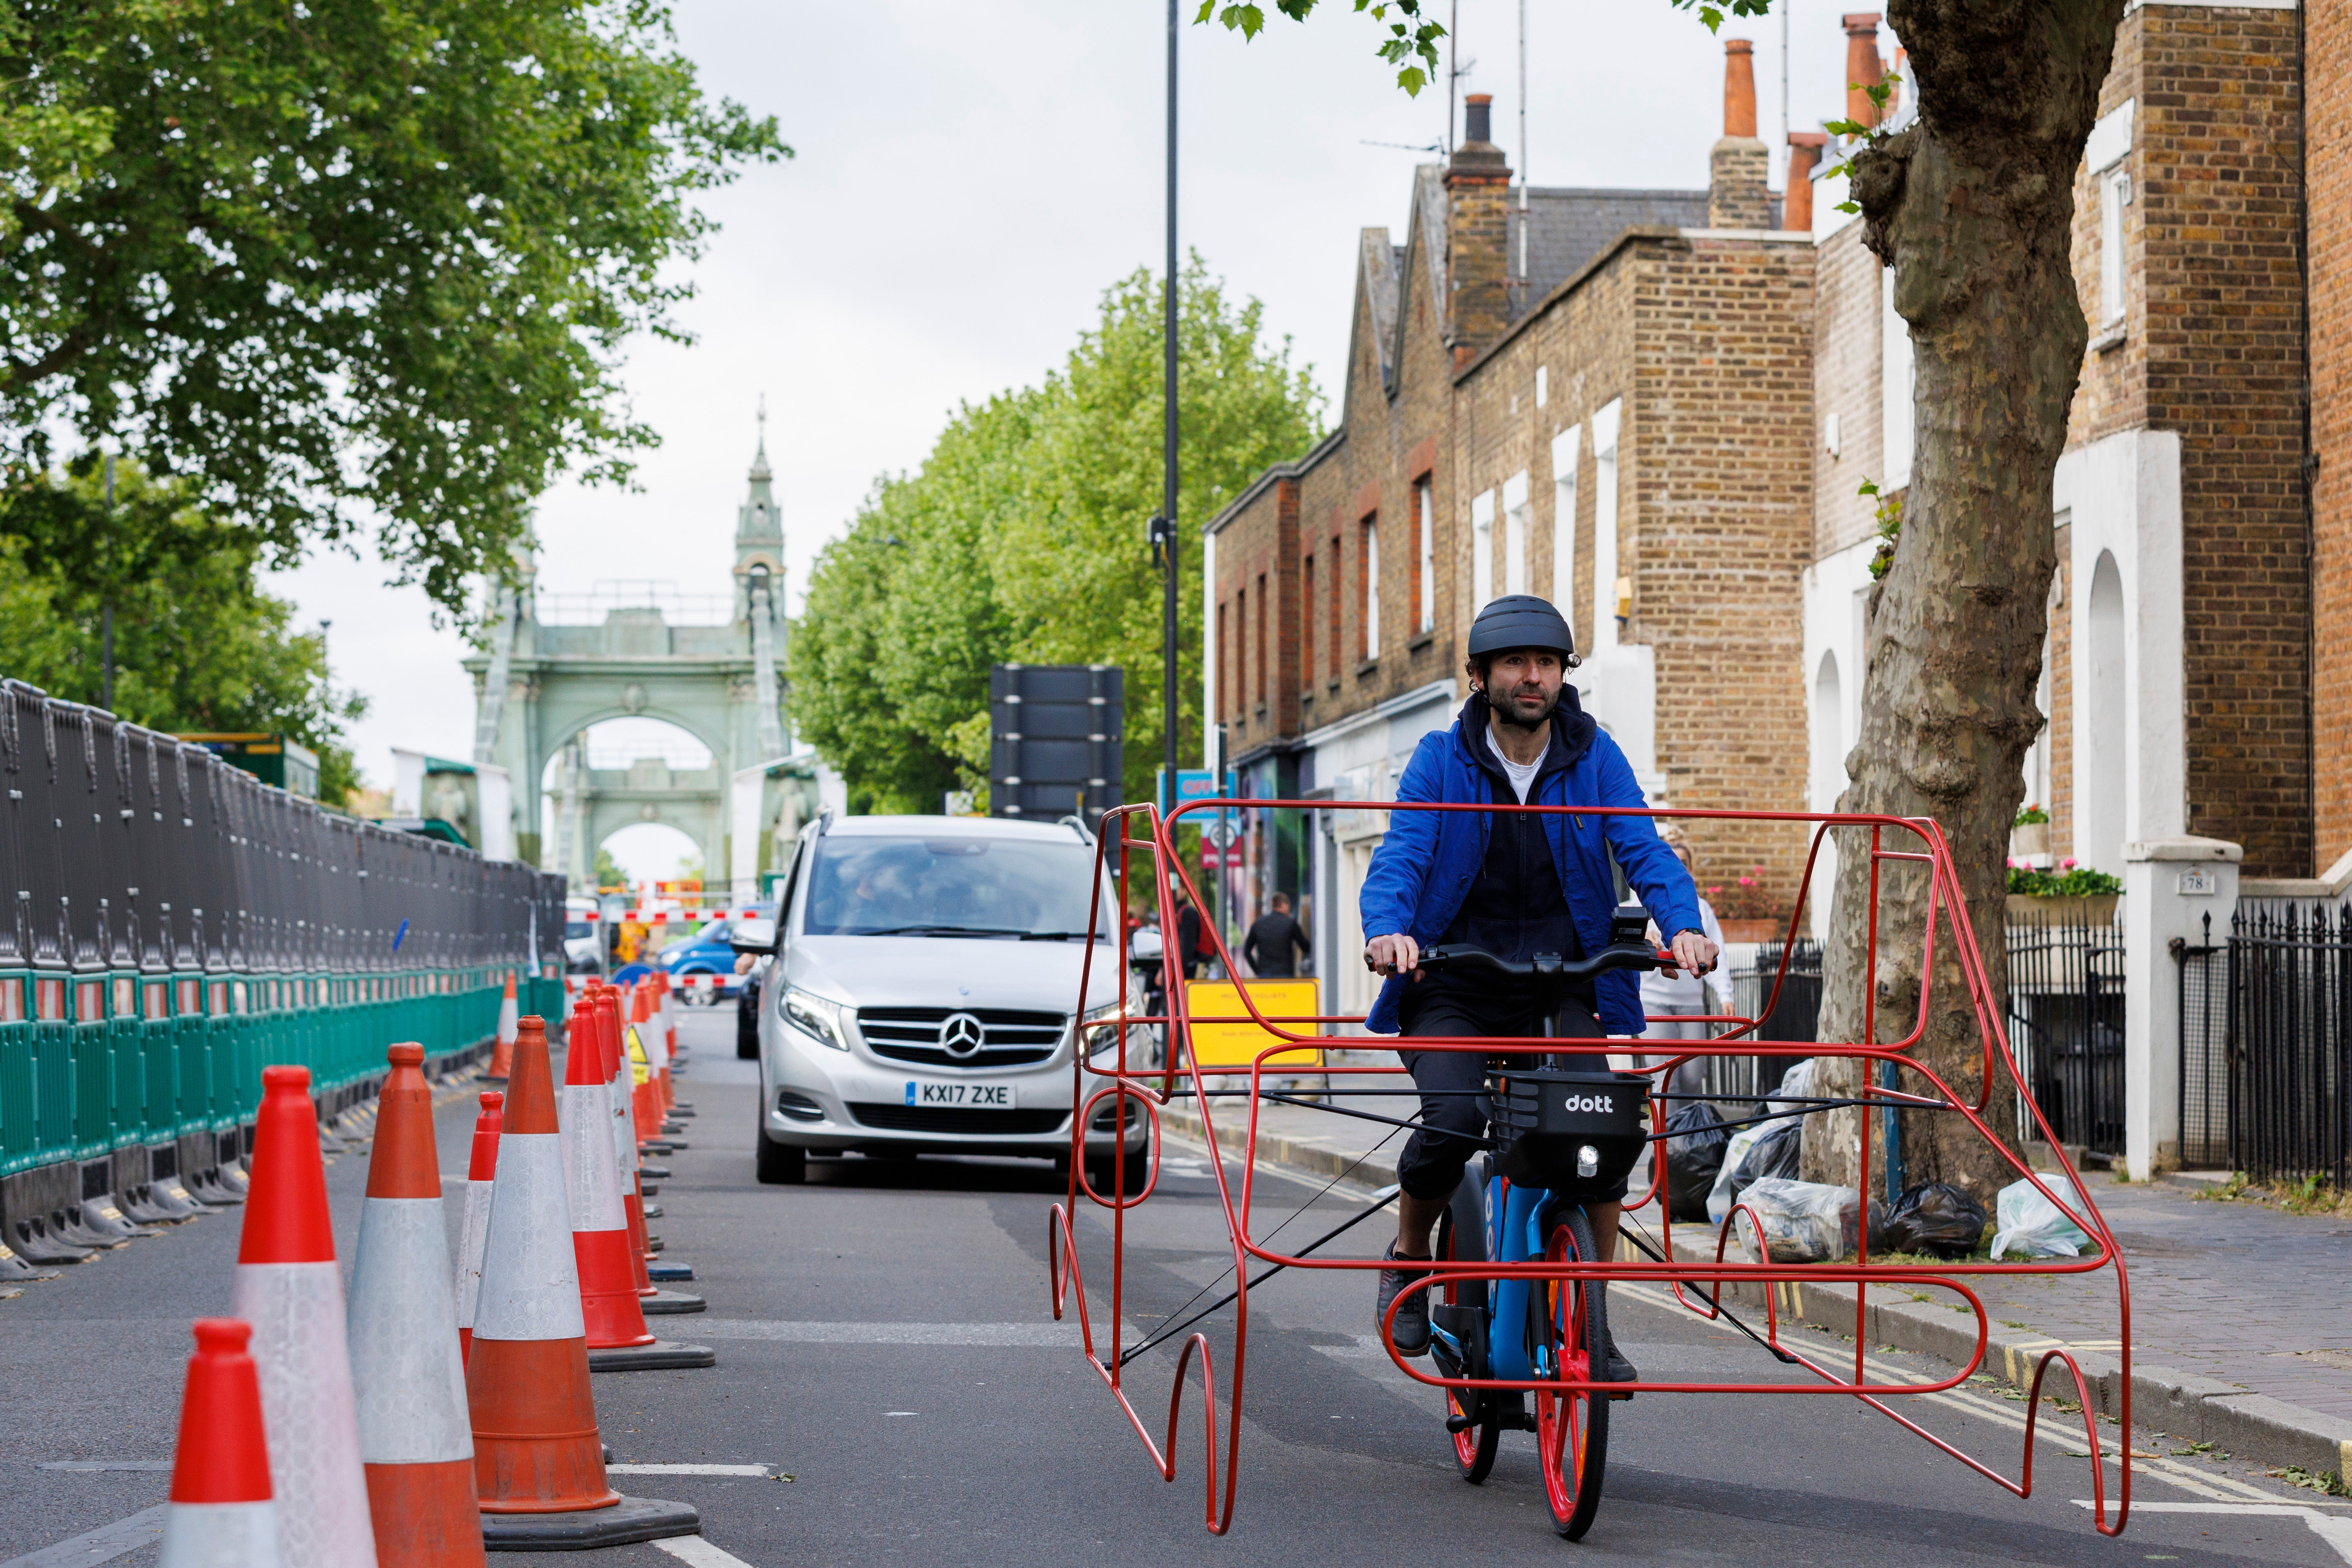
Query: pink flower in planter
[2068,863]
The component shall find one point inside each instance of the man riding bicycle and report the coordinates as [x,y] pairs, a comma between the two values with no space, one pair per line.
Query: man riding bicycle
[1516,884]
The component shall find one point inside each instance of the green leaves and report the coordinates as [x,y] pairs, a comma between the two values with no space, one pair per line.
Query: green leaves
[1888,516]
[1711,14]
[1860,137]
[1411,40]
[349,267]
[179,581]
[1022,537]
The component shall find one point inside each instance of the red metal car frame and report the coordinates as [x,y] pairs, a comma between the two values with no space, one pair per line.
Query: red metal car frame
[1153,1087]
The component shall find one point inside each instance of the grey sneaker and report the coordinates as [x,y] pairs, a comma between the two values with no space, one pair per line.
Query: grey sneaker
[1413,1318]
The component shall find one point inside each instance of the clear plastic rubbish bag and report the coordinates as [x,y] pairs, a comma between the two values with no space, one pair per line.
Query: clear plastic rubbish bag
[1803,1222]
[2031,1225]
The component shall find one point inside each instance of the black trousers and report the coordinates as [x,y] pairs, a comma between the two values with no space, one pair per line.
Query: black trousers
[1454,1105]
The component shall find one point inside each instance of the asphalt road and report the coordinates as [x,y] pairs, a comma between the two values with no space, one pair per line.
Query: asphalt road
[887,1360]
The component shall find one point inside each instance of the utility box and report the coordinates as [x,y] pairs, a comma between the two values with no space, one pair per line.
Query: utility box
[1056,747]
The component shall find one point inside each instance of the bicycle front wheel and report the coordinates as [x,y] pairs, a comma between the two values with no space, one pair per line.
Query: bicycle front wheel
[1571,1340]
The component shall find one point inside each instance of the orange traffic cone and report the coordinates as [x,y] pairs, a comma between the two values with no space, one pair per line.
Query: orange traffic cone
[221,1510]
[405,1365]
[599,1226]
[290,1289]
[476,1233]
[502,1057]
[538,1462]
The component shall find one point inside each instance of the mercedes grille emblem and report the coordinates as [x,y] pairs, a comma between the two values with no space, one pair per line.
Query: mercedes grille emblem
[962,1036]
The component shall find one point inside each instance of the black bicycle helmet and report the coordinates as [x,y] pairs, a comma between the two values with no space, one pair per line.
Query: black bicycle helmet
[1520,620]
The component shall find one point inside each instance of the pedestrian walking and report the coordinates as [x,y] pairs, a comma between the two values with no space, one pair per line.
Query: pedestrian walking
[1275,942]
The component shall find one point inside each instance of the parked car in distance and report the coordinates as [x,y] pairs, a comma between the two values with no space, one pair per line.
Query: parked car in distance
[921,995]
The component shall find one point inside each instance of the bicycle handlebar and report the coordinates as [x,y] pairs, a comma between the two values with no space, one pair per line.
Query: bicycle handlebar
[1545,966]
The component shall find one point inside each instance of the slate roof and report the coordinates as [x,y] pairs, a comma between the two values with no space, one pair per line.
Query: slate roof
[1566,228]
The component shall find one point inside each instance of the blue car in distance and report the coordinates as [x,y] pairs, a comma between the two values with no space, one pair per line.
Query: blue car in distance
[704,954]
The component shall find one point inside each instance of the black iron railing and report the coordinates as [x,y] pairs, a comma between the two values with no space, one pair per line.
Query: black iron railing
[2066,1025]
[2266,1044]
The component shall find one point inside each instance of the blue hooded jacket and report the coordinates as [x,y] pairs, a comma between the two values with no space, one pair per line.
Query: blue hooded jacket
[1423,870]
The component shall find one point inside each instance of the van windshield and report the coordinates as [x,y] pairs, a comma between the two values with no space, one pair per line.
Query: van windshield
[862,886]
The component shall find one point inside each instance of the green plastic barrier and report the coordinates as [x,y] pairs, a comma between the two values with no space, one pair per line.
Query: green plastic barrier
[92,1110]
[17,1109]
[52,1072]
[126,1051]
[158,1066]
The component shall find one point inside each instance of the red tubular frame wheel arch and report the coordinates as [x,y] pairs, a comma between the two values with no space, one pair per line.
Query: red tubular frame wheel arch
[1946,910]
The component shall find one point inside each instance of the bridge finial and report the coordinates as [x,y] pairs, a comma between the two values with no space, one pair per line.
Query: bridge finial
[760,470]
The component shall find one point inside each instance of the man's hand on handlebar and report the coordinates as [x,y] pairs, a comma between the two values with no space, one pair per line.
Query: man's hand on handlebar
[1396,953]
[1694,952]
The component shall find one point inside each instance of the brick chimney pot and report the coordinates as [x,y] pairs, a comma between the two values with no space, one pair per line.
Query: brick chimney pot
[1862,66]
[1738,87]
[1804,156]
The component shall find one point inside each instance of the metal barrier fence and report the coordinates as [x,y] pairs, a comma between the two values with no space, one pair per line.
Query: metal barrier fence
[2266,1044]
[172,925]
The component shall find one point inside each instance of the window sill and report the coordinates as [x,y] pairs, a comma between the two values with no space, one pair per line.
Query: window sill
[1367,666]
[1421,643]
[2113,338]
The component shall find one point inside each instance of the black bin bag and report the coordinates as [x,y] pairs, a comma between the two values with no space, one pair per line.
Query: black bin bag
[1696,1140]
[1936,1217]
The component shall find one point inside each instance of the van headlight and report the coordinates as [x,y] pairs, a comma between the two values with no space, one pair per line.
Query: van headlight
[813,1014]
[1095,1035]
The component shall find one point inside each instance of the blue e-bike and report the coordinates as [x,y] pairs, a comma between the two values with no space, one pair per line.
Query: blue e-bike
[1563,1136]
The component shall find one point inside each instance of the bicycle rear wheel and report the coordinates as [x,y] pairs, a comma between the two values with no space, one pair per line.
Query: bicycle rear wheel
[1462,1238]
[1571,1337]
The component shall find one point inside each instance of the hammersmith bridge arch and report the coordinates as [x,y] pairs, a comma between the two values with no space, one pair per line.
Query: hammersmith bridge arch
[558,664]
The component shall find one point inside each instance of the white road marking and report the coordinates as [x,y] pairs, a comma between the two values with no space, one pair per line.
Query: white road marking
[693,1548]
[687,1470]
[1046,1335]
[2334,1529]
[104,1545]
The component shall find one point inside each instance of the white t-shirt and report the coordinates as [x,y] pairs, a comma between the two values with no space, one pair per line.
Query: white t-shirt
[1522,775]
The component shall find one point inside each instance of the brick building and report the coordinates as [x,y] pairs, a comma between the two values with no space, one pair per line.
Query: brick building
[2179,678]
[1601,397]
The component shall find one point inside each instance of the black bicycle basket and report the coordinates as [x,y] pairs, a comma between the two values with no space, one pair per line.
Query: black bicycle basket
[1578,1133]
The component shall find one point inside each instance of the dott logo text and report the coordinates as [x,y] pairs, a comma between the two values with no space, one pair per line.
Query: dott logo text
[1600,1102]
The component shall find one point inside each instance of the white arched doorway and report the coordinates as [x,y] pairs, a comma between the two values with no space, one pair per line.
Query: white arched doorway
[2100,733]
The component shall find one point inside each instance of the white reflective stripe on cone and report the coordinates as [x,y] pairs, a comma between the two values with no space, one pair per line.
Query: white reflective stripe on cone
[472,1242]
[508,1012]
[220,1535]
[617,1113]
[309,1411]
[589,1178]
[530,1279]
[408,1378]
[624,1133]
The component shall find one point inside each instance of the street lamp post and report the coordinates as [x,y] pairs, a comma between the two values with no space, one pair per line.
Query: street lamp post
[1168,440]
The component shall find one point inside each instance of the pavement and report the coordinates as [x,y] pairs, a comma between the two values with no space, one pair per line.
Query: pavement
[892,1387]
[2238,1325]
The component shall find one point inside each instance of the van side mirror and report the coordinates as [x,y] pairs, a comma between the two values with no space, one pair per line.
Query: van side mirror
[757,937]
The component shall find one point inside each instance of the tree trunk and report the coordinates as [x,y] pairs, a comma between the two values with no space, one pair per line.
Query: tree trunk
[1973,207]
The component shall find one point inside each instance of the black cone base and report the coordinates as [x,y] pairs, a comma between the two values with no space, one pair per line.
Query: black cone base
[636,1519]
[662,1355]
[668,1301]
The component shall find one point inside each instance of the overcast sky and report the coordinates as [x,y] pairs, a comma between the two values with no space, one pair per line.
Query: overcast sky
[969,178]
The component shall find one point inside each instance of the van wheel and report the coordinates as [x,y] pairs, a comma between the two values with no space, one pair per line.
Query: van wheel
[781,1164]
